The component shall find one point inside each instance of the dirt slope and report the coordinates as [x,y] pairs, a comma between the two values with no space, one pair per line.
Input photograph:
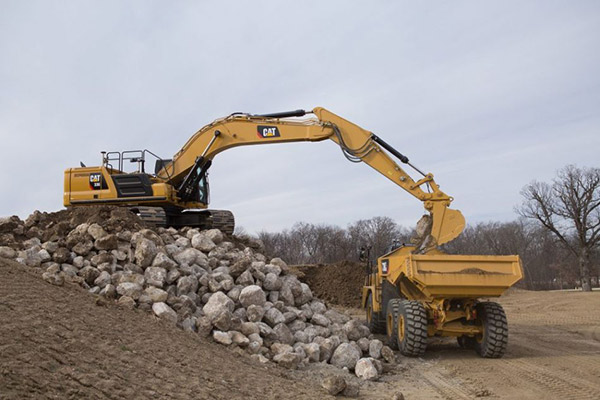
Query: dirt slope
[56,343]
[339,283]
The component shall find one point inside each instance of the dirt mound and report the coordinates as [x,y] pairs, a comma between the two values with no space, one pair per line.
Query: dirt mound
[339,283]
[51,226]
[111,218]
[56,343]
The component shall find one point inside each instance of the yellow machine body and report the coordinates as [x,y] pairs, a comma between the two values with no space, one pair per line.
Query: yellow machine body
[448,285]
[94,185]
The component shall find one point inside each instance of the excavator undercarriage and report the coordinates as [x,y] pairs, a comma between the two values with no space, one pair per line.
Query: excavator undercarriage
[200,219]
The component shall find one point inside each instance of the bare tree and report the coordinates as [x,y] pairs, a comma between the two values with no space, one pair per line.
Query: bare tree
[377,232]
[570,209]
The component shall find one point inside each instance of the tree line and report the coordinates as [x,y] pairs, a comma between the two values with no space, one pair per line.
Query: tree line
[556,234]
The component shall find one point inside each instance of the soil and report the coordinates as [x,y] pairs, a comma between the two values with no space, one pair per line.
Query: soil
[59,342]
[339,283]
[56,343]
[553,353]
[51,226]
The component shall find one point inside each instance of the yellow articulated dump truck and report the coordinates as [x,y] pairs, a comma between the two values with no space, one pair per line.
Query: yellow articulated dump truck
[412,293]
[411,297]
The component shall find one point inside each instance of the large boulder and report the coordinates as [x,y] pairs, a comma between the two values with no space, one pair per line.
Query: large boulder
[7,252]
[187,284]
[388,355]
[284,335]
[252,295]
[280,263]
[245,278]
[255,313]
[163,261]
[239,267]
[288,360]
[222,337]
[89,274]
[130,289]
[154,295]
[201,242]
[305,296]
[366,368]
[273,317]
[272,282]
[375,347]
[164,312]
[155,276]
[218,303]
[333,384]
[102,280]
[106,242]
[96,231]
[145,251]
[215,235]
[346,355]
[191,256]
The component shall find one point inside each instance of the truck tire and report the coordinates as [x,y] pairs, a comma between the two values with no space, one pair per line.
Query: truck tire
[492,343]
[411,328]
[391,323]
[375,323]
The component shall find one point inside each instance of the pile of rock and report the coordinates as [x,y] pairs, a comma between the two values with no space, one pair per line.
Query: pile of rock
[205,283]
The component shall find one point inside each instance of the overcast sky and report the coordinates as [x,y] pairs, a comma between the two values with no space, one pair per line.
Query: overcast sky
[485,95]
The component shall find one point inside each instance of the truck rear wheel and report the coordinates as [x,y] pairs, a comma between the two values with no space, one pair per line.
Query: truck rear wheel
[411,328]
[494,339]
[375,323]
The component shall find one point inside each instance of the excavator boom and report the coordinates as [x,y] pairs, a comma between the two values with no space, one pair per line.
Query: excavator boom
[357,144]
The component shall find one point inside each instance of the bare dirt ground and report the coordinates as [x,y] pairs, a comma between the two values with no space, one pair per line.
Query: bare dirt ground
[56,342]
[553,353]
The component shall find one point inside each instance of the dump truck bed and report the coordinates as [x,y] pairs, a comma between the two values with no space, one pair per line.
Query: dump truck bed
[457,276]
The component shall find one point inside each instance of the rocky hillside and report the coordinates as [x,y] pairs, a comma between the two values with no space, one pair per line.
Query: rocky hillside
[201,282]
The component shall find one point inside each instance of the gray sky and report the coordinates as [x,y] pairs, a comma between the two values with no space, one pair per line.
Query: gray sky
[485,95]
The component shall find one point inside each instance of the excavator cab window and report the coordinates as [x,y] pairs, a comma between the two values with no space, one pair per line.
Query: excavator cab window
[203,190]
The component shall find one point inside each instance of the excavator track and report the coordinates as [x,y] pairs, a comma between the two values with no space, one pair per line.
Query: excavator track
[200,219]
[154,216]
[222,220]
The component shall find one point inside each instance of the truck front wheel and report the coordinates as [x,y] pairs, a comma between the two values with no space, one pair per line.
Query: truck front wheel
[375,323]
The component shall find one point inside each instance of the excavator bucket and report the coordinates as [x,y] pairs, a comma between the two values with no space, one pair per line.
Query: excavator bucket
[447,223]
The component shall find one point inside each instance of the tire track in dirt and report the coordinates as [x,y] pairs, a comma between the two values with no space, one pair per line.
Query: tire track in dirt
[449,388]
[561,384]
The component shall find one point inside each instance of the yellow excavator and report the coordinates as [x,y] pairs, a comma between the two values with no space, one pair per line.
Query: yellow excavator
[411,293]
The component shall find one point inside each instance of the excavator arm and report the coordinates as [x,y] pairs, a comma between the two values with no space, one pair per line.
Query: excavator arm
[190,164]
